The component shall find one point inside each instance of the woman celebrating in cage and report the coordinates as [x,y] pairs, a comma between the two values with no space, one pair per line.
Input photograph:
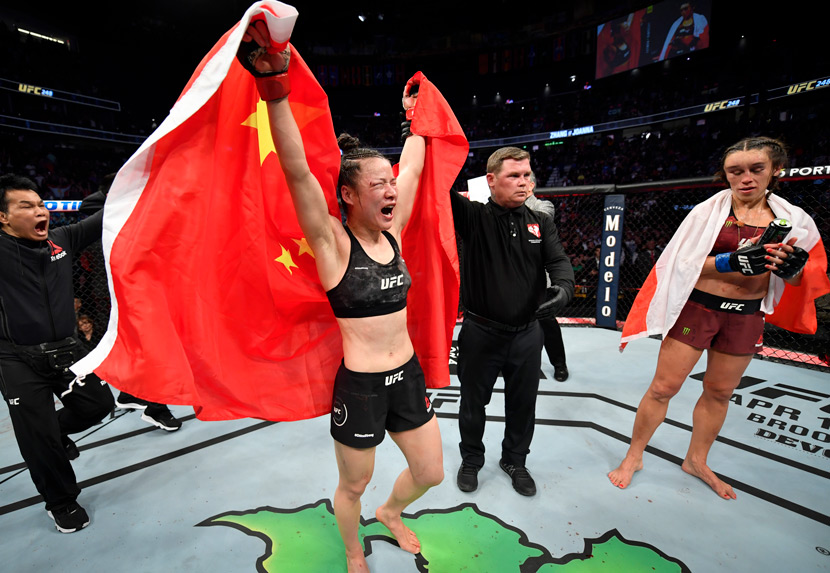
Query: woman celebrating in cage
[380,385]
[710,290]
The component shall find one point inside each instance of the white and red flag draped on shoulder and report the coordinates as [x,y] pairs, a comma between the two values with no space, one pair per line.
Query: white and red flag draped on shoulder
[669,284]
[216,298]
[429,246]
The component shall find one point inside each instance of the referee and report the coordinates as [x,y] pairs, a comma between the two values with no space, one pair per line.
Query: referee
[507,248]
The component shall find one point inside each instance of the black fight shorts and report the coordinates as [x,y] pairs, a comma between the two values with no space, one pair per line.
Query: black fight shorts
[366,404]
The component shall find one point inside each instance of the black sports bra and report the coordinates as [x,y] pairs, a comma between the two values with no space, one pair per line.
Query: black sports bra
[370,288]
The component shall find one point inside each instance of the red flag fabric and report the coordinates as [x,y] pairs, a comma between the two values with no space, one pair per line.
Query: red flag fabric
[796,311]
[216,298]
[429,246]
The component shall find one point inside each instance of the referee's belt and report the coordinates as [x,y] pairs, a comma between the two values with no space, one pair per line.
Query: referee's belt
[493,324]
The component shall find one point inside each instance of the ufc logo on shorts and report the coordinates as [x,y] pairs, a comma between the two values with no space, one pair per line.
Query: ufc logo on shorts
[392,378]
[14,401]
[746,268]
[732,306]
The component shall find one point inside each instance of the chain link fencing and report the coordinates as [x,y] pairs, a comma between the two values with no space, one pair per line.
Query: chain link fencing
[652,214]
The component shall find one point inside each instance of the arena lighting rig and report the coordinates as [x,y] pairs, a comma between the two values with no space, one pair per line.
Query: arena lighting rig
[43,37]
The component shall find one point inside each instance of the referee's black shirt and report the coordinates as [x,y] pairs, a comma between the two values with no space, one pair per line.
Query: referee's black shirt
[505,255]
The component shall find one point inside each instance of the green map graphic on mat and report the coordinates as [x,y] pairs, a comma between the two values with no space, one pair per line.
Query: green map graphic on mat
[458,539]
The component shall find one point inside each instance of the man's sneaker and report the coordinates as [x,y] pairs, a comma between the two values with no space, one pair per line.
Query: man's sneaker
[160,415]
[129,402]
[467,478]
[71,449]
[70,518]
[522,482]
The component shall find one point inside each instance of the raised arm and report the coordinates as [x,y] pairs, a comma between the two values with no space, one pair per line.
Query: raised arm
[412,160]
[271,73]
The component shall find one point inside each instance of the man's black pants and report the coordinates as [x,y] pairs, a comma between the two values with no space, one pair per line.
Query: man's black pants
[483,352]
[554,345]
[39,428]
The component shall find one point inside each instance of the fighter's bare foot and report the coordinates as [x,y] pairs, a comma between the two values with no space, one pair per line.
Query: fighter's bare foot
[407,540]
[621,476]
[703,472]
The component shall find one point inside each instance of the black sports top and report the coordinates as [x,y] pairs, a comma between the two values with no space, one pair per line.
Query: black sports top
[370,288]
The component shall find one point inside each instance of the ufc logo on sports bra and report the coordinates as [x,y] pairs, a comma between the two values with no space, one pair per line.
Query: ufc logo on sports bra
[392,378]
[391,282]
[732,306]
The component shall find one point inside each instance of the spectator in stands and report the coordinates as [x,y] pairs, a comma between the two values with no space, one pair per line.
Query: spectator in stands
[646,258]
[592,267]
[711,292]
[87,334]
[38,344]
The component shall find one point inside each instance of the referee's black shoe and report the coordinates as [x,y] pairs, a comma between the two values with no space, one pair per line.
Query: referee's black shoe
[522,482]
[467,478]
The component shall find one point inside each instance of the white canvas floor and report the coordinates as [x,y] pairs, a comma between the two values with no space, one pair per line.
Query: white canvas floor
[248,495]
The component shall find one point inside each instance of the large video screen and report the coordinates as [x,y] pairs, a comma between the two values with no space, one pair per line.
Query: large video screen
[655,33]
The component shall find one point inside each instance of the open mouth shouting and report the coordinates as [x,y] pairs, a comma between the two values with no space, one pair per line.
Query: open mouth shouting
[42,228]
[387,211]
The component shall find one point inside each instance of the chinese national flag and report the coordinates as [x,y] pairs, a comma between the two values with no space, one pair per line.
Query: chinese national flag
[429,246]
[216,298]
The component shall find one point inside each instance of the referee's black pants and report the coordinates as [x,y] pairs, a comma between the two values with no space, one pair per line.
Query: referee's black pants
[39,428]
[554,345]
[483,352]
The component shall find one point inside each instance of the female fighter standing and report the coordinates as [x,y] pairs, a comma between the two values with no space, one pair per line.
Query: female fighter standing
[714,285]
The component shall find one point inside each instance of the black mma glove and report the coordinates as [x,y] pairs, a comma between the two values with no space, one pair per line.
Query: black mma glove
[749,261]
[793,264]
[406,129]
[557,299]
[270,85]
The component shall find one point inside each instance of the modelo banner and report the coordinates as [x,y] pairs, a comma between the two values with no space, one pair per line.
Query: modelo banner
[609,260]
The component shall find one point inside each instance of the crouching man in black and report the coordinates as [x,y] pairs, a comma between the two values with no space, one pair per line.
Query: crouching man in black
[37,346]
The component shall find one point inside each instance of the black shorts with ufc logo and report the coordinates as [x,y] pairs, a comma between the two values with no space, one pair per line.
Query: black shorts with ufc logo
[366,404]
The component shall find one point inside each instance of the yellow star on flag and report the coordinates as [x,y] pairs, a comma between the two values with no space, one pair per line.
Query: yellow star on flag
[286,260]
[259,121]
[303,114]
[304,247]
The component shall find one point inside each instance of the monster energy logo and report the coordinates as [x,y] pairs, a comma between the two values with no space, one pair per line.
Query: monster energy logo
[686,330]
[728,224]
